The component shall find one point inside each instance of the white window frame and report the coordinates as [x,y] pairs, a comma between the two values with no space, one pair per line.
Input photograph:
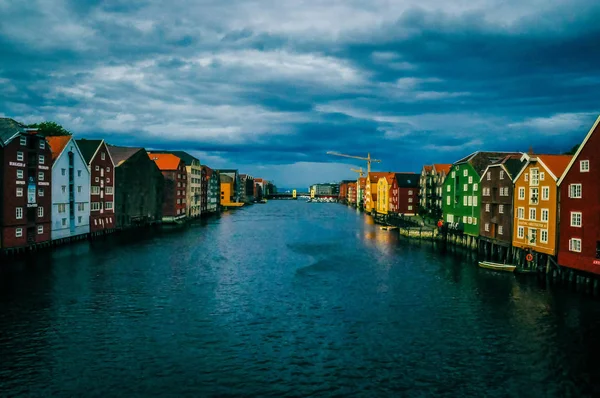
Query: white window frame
[500,209]
[475,187]
[584,166]
[40,212]
[23,140]
[488,176]
[533,211]
[18,232]
[19,192]
[487,227]
[522,193]
[465,201]
[542,238]
[465,173]
[576,219]
[573,247]
[19,174]
[20,156]
[545,193]
[41,159]
[575,191]
[40,229]
[19,213]
[500,230]
[42,144]
[545,215]
[502,174]
[41,176]
[487,207]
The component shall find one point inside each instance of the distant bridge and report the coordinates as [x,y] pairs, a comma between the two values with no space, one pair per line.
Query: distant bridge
[289,195]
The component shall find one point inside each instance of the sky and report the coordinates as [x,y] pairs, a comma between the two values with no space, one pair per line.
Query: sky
[269,86]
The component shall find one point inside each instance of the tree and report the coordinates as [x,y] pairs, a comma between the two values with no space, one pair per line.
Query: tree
[573,150]
[50,129]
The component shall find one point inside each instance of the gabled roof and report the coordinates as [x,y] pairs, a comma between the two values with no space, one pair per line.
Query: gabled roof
[511,164]
[555,165]
[165,161]
[442,167]
[427,168]
[88,148]
[186,157]
[9,128]
[481,160]
[374,176]
[362,181]
[57,144]
[593,130]
[407,180]
[121,154]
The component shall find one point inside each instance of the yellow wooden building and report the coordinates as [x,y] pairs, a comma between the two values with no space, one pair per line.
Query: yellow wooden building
[536,203]
[384,184]
[371,191]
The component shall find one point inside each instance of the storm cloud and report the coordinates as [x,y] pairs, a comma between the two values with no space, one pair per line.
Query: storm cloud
[270,86]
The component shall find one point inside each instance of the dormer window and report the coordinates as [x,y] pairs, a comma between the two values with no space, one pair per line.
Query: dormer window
[584,166]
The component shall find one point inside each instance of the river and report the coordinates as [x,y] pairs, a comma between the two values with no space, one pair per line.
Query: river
[286,299]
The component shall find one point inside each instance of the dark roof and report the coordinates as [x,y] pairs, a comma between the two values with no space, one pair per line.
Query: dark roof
[481,160]
[226,178]
[407,180]
[8,128]
[228,171]
[88,148]
[514,166]
[119,154]
[186,157]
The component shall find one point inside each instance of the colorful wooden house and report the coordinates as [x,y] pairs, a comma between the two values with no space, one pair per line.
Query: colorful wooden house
[536,205]
[496,213]
[361,184]
[404,194]
[439,172]
[462,196]
[175,189]
[384,185]
[370,201]
[351,198]
[425,186]
[579,245]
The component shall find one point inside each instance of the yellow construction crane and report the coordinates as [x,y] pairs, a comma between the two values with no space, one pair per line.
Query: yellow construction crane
[368,158]
[359,171]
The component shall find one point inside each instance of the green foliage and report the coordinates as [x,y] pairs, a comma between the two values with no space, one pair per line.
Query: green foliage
[50,129]
[573,150]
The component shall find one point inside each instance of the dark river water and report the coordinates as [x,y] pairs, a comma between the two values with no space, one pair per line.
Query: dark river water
[286,299]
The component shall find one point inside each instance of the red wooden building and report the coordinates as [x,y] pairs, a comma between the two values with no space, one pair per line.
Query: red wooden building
[579,229]
[204,190]
[25,186]
[102,181]
[352,193]
[404,194]
[174,172]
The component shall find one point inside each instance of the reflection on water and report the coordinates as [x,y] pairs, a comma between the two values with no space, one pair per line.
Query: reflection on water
[286,299]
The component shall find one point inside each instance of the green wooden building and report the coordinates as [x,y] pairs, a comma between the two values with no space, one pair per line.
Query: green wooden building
[462,196]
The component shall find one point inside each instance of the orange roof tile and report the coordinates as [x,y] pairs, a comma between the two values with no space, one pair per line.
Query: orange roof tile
[374,176]
[556,163]
[362,181]
[58,144]
[428,168]
[165,161]
[442,167]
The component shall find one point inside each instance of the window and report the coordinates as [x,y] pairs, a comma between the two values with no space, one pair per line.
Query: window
[80,206]
[97,179]
[410,207]
[108,205]
[533,196]
[20,174]
[79,220]
[544,236]
[521,193]
[109,190]
[108,169]
[41,159]
[464,219]
[469,201]
[535,177]
[474,221]
[450,218]
[20,156]
[79,188]
[78,173]
[19,192]
[545,193]
[475,187]
[502,174]
[542,176]
[474,200]
[23,140]
[501,209]
[532,236]
[500,230]
[41,176]
[42,144]
[107,180]
[576,219]
[575,245]
[526,177]
[532,213]
[40,229]
[97,168]
[61,208]
[95,190]
[410,200]
[545,214]
[19,213]
[103,156]
[18,232]
[40,192]
[410,192]
[95,206]
[64,222]
[487,227]
[470,180]
[575,191]
[465,201]
[465,187]
[584,166]
[40,212]
[448,200]
[63,188]
[63,172]
[487,207]
[489,175]
[453,174]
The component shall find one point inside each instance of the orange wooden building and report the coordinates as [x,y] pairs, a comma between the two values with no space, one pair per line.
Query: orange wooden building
[536,203]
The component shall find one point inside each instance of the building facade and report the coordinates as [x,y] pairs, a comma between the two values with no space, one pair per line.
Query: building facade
[462,194]
[496,212]
[139,187]
[203,191]
[236,186]
[247,182]
[25,186]
[370,200]
[102,184]
[384,185]
[440,172]
[536,203]
[361,184]
[325,189]
[579,246]
[173,169]
[426,187]
[351,198]
[404,196]
[214,191]
[70,189]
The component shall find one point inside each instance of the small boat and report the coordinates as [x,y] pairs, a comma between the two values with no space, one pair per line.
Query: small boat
[388,228]
[497,266]
[263,201]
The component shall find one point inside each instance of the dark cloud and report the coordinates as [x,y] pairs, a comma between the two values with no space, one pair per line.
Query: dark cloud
[270,86]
